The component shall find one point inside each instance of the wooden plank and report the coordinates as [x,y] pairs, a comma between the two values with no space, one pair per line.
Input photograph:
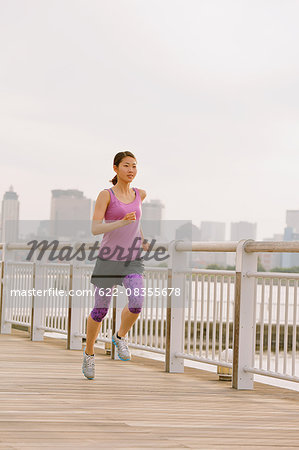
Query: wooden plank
[47,403]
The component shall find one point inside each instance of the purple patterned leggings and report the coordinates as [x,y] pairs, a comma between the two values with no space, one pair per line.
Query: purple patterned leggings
[134,281]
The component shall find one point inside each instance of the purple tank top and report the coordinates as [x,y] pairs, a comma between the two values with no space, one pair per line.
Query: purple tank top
[123,237]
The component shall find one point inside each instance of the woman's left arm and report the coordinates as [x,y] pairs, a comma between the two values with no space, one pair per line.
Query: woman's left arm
[145,245]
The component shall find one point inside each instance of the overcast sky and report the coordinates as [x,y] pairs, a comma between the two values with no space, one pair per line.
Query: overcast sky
[205,93]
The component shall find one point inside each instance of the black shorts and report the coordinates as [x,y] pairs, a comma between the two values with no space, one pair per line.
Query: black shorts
[108,273]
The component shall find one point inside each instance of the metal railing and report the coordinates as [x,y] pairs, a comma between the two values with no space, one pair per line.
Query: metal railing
[276,325]
[194,314]
[209,315]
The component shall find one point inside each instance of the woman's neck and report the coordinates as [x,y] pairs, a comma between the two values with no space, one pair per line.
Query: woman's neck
[122,188]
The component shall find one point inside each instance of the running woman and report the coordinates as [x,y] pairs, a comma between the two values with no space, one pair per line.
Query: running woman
[121,209]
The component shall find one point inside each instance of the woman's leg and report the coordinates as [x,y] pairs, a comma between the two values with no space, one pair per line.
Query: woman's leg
[101,307]
[93,329]
[131,312]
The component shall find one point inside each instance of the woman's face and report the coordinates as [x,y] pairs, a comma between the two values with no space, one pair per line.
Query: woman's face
[127,169]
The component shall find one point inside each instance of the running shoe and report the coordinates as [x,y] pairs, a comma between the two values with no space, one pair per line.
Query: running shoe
[122,347]
[88,366]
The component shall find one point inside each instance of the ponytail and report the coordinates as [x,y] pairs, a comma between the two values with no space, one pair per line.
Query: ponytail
[114,180]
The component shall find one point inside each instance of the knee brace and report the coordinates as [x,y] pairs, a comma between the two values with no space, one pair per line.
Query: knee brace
[134,281]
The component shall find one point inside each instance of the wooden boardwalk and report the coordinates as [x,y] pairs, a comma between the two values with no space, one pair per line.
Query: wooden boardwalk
[47,403]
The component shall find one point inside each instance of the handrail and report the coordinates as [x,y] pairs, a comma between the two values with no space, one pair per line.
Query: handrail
[197,246]
[201,246]
[231,246]
[282,275]
[272,246]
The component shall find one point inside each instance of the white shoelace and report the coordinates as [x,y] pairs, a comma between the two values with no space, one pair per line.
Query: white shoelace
[123,344]
[90,361]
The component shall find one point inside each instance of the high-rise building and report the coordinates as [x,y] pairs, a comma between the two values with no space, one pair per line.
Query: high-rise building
[238,231]
[10,216]
[290,259]
[190,233]
[292,220]
[242,230]
[269,260]
[71,214]
[291,233]
[212,231]
[151,219]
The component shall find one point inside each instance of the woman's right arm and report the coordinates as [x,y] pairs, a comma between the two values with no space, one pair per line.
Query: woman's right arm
[98,227]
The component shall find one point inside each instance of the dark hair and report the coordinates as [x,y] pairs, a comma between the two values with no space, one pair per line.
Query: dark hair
[117,159]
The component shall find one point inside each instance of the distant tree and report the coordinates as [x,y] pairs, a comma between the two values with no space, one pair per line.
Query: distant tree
[260,267]
[294,269]
[218,267]
[214,267]
[162,264]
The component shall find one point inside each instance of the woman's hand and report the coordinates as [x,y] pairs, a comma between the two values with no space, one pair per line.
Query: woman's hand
[129,218]
[145,245]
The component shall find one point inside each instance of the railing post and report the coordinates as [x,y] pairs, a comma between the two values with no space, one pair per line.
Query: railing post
[37,315]
[175,321]
[6,304]
[243,321]
[74,338]
[1,290]
[118,302]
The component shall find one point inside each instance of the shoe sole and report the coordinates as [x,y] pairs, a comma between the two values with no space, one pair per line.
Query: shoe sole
[87,377]
[83,372]
[128,359]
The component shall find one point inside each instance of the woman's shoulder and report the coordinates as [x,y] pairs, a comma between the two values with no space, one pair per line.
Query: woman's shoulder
[104,194]
[142,193]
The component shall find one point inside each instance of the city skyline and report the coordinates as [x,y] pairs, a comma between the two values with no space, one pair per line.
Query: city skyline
[209,107]
[290,215]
